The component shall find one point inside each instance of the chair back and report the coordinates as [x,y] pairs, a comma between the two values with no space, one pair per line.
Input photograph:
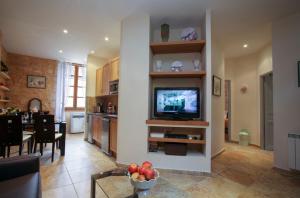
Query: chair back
[45,128]
[11,132]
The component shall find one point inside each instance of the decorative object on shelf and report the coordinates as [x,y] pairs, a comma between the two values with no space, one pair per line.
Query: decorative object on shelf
[158,65]
[244,88]
[12,111]
[189,34]
[177,66]
[216,86]
[196,63]
[298,73]
[38,82]
[165,32]
[4,67]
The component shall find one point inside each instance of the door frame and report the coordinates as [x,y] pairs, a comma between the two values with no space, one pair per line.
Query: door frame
[229,108]
[262,113]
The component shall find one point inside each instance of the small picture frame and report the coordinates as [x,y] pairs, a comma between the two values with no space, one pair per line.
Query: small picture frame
[216,86]
[38,82]
[298,73]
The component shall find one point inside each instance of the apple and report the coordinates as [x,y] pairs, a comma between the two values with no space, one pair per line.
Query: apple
[149,174]
[141,178]
[135,176]
[132,168]
[147,164]
[141,170]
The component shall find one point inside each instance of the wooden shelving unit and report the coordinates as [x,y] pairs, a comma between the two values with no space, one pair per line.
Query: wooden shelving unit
[3,88]
[178,123]
[174,47]
[176,140]
[4,101]
[4,75]
[177,74]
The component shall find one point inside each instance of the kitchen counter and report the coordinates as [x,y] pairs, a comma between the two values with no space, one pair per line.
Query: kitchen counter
[103,114]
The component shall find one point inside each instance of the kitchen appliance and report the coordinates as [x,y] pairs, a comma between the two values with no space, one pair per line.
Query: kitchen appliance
[113,87]
[77,122]
[89,128]
[105,136]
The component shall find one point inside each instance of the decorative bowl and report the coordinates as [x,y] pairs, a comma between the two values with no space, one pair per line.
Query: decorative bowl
[145,185]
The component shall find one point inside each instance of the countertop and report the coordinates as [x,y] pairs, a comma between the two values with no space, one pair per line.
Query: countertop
[103,114]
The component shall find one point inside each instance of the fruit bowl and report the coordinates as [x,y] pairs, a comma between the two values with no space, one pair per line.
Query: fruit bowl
[146,184]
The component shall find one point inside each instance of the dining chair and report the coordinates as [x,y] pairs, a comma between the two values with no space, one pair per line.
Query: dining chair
[45,133]
[12,133]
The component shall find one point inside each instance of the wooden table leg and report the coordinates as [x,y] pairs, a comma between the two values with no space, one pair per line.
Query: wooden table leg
[62,129]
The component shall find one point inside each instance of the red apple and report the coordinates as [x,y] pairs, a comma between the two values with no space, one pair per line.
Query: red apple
[132,168]
[135,176]
[147,164]
[141,178]
[149,174]
[142,170]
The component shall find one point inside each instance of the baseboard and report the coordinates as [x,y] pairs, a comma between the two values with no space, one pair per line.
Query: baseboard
[236,142]
[218,153]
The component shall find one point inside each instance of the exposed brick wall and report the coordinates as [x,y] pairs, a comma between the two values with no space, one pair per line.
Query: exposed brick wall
[19,67]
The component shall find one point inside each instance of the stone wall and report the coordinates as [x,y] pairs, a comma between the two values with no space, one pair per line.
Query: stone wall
[19,67]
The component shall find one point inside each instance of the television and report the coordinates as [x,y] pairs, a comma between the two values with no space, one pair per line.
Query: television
[177,103]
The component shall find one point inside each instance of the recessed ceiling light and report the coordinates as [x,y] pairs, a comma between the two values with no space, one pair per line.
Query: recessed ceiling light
[60,51]
[106,38]
[92,52]
[245,45]
[65,31]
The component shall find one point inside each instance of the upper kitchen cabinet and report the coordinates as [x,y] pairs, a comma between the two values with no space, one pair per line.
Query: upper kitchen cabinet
[109,72]
[114,64]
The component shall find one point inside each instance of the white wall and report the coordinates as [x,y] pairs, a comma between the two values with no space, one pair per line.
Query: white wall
[286,53]
[245,107]
[93,63]
[133,89]
[218,103]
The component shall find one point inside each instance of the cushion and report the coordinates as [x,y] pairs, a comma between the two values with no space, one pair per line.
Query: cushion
[57,135]
[28,132]
[26,137]
[27,186]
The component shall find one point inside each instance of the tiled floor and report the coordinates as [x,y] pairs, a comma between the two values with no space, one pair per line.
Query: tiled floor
[238,172]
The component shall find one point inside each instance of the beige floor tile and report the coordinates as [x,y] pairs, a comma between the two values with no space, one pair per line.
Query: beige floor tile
[83,190]
[63,192]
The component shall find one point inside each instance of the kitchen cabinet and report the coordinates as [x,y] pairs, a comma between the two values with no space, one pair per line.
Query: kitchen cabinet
[99,90]
[114,73]
[113,135]
[97,128]
[109,72]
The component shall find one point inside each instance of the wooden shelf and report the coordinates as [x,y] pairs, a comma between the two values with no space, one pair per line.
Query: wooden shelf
[177,47]
[191,74]
[4,75]
[4,88]
[178,123]
[176,140]
[4,101]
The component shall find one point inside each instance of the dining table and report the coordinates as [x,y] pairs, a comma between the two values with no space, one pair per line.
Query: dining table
[61,129]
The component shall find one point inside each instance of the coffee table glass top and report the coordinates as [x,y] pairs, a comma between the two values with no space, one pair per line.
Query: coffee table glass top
[120,187]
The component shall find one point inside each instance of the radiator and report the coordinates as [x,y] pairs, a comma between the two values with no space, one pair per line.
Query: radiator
[294,151]
[77,122]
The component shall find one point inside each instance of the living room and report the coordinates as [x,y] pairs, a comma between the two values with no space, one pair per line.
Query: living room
[138,88]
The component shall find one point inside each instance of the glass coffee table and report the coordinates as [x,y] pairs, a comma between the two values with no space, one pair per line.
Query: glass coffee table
[116,184]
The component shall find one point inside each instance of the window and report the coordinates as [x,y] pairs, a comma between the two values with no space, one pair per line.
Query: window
[75,87]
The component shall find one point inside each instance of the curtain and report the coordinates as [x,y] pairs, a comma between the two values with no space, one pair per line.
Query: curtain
[63,70]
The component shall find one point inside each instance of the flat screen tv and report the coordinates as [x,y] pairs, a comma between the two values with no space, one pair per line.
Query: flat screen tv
[177,103]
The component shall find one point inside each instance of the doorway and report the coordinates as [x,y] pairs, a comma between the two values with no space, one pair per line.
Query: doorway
[227,116]
[267,112]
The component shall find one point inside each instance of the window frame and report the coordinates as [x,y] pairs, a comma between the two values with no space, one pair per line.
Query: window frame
[75,89]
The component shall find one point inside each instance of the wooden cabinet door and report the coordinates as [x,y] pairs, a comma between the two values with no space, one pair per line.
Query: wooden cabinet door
[105,79]
[97,128]
[99,75]
[113,134]
[114,74]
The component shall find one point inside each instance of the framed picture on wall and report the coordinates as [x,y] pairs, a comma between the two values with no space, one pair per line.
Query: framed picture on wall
[38,82]
[216,86]
[298,73]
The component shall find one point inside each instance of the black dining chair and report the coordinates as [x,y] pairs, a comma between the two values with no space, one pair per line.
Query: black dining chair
[45,132]
[12,133]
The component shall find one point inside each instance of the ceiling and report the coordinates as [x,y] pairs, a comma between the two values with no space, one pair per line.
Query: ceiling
[34,27]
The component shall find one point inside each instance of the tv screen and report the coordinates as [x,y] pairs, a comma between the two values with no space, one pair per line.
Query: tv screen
[176,102]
